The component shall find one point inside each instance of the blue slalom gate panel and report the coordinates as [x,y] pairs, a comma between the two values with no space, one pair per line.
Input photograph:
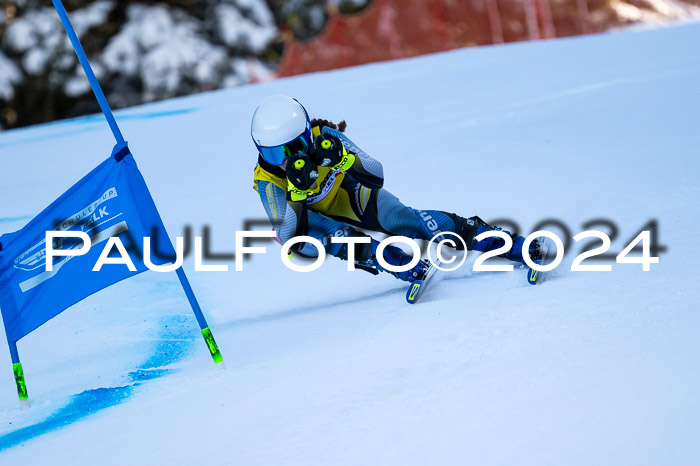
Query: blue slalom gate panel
[112,200]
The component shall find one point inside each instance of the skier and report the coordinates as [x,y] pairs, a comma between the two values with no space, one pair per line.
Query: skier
[313,180]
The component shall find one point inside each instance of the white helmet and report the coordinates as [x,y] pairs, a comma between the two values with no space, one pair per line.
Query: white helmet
[280,128]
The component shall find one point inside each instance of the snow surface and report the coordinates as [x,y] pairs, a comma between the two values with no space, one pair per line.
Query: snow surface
[333,367]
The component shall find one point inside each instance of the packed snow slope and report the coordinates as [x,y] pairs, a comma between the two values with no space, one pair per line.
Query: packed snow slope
[333,367]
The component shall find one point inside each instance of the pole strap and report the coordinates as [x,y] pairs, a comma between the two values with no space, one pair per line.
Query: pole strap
[120,151]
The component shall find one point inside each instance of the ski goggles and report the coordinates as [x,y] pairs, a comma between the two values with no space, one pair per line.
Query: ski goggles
[276,155]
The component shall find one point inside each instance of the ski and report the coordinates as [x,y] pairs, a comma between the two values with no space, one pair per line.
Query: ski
[415,291]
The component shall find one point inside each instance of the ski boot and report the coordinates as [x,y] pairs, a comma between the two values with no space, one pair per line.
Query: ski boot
[538,253]
[515,253]
[396,257]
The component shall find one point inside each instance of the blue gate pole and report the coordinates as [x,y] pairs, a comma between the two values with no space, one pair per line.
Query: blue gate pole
[19,375]
[107,111]
[17,370]
[96,89]
[206,332]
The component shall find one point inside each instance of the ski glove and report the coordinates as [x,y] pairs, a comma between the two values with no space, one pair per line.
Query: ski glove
[301,176]
[328,151]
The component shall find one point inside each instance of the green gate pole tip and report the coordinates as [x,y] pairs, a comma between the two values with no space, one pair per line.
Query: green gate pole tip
[21,385]
[213,348]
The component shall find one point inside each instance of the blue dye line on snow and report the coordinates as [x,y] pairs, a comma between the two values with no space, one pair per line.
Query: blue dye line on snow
[135,116]
[170,348]
[98,118]
[46,137]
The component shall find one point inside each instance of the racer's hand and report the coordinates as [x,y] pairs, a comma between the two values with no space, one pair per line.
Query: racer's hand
[301,175]
[328,151]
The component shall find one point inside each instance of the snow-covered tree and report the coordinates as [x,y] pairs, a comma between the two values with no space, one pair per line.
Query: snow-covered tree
[140,50]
